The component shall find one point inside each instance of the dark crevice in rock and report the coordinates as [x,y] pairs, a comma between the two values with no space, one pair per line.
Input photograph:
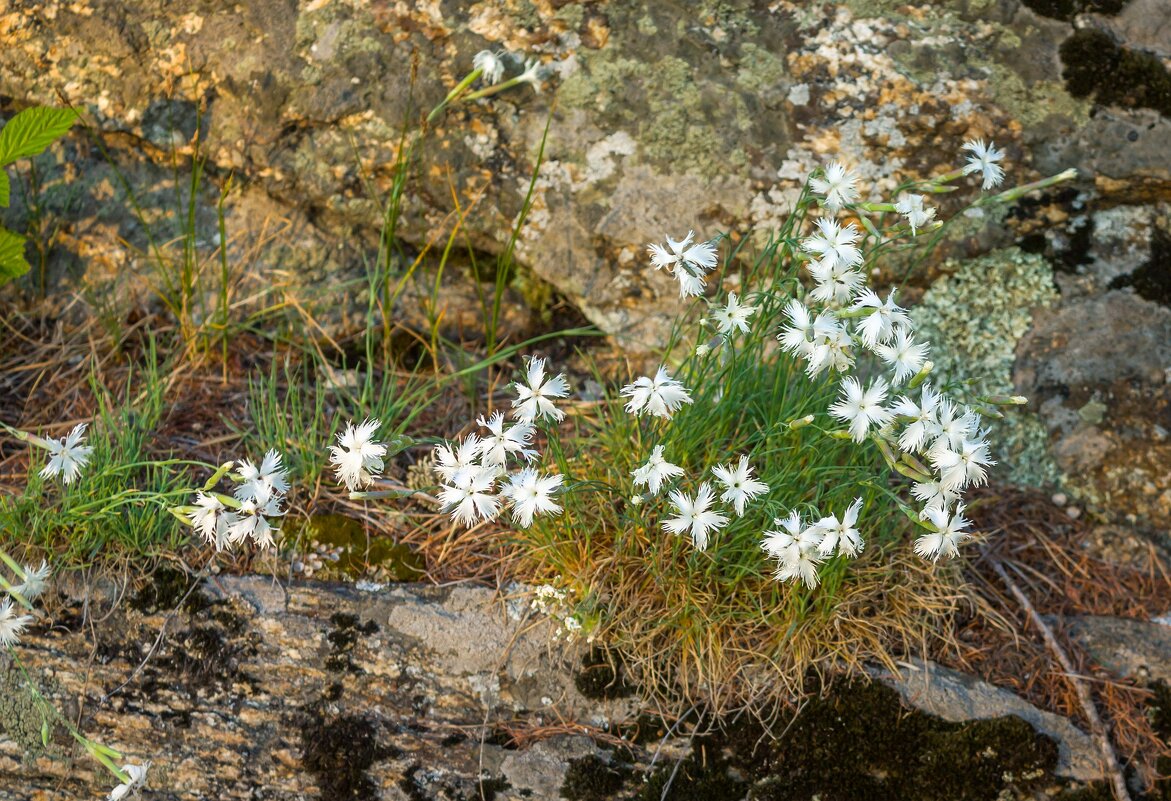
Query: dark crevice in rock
[1096,66]
[1066,10]
[1152,280]
[602,675]
[339,753]
[347,630]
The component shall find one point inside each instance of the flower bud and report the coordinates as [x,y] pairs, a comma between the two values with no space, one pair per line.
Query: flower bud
[921,376]
[801,422]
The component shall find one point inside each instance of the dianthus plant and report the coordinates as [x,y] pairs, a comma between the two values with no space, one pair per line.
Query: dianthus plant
[785,470]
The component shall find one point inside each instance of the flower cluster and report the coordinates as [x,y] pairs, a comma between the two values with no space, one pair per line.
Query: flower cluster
[30,583]
[225,520]
[474,471]
[557,604]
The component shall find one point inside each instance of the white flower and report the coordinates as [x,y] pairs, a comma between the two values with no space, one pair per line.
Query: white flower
[135,781]
[797,336]
[841,535]
[11,624]
[471,498]
[831,346]
[954,426]
[933,495]
[702,255]
[661,396]
[690,284]
[456,464]
[734,316]
[911,206]
[490,65]
[741,487]
[269,475]
[921,418]
[838,187]
[35,581]
[878,326]
[963,466]
[252,518]
[357,459]
[903,355]
[209,522]
[530,493]
[795,548]
[694,516]
[532,74]
[983,160]
[533,397]
[68,455]
[655,471]
[949,533]
[834,244]
[836,283]
[861,409]
[494,449]
[788,531]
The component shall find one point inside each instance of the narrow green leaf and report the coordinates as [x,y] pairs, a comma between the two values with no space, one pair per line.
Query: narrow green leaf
[12,261]
[4,189]
[32,130]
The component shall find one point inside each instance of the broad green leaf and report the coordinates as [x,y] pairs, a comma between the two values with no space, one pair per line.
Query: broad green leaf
[32,130]
[12,261]
[4,189]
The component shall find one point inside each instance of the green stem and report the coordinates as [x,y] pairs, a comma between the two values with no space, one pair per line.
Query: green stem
[454,94]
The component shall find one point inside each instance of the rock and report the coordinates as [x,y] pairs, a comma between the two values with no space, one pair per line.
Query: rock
[665,117]
[1128,648]
[955,696]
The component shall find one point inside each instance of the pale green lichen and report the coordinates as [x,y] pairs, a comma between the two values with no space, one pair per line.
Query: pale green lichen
[21,720]
[760,71]
[973,319]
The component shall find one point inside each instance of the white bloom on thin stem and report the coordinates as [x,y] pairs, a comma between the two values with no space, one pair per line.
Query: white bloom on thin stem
[836,282]
[861,408]
[534,396]
[797,336]
[270,474]
[357,458]
[733,316]
[983,159]
[455,465]
[921,418]
[932,494]
[903,355]
[655,471]
[701,255]
[786,532]
[795,548]
[918,215]
[740,486]
[35,581]
[838,186]
[841,535]
[490,65]
[495,448]
[834,244]
[471,499]
[954,426]
[661,396]
[963,466]
[694,516]
[12,625]
[948,534]
[211,520]
[252,518]
[532,74]
[135,781]
[879,325]
[830,347]
[67,456]
[530,493]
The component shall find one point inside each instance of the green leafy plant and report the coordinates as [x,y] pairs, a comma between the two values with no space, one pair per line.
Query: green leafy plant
[25,135]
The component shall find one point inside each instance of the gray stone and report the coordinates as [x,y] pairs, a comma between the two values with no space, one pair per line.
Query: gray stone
[1129,648]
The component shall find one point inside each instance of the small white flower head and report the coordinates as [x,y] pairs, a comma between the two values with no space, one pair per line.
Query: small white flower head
[490,64]
[739,485]
[954,426]
[984,159]
[269,475]
[655,472]
[786,532]
[878,326]
[471,499]
[932,494]
[836,283]
[67,456]
[500,442]
[661,396]
[733,316]
[922,418]
[251,521]
[35,581]
[211,520]
[903,355]
[357,458]
[529,493]
[861,408]
[797,336]
[12,625]
[534,396]
[796,550]
[841,535]
[838,186]
[831,346]
[963,466]
[694,516]
[918,215]
[834,244]
[456,464]
[948,534]
[635,500]
[532,74]
[135,781]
